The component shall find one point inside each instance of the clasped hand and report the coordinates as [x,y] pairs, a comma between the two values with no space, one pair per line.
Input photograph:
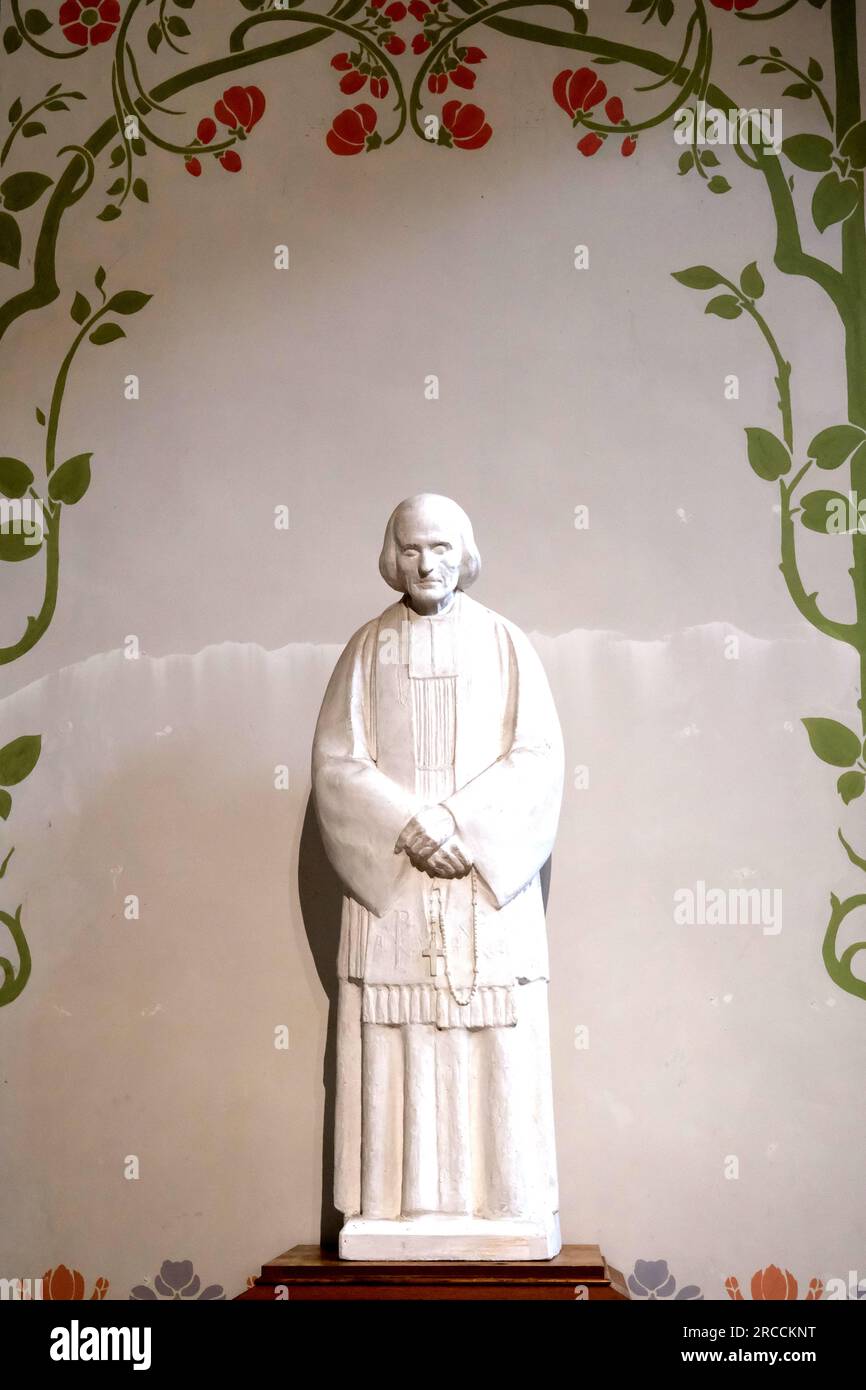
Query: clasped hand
[431,841]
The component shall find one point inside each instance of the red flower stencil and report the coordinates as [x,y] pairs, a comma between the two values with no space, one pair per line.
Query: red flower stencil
[352,83]
[84,23]
[364,69]
[352,130]
[354,79]
[466,126]
[462,76]
[590,144]
[239,108]
[450,69]
[577,92]
[615,114]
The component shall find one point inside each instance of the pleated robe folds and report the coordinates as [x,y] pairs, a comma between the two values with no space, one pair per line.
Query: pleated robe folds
[444,1103]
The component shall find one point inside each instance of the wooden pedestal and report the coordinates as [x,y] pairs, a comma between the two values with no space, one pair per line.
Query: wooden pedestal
[310,1274]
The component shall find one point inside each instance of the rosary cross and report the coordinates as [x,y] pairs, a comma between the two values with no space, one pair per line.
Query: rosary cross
[433,953]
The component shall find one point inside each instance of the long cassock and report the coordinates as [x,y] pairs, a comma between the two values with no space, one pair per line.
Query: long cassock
[444,1096]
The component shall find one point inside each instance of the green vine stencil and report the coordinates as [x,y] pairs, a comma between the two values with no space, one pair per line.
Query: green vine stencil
[17,761]
[106,174]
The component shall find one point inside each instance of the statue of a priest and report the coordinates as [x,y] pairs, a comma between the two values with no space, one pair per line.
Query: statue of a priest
[437,777]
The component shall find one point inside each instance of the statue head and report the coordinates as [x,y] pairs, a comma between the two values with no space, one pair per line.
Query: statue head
[429,551]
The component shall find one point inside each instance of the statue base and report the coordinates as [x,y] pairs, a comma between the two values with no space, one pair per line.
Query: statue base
[437,1237]
[309,1274]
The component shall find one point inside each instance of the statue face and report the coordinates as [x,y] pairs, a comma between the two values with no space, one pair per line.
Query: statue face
[429,555]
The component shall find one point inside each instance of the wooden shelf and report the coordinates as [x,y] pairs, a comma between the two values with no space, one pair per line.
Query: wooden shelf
[311,1274]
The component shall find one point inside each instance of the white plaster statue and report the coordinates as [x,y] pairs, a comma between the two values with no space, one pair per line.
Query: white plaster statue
[437,776]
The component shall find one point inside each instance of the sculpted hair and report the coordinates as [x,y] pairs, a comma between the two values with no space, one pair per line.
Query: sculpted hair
[470,560]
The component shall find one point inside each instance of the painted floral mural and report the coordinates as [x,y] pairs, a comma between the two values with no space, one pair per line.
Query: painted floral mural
[413,66]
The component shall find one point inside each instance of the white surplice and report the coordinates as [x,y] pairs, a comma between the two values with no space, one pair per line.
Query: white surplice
[443,1105]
